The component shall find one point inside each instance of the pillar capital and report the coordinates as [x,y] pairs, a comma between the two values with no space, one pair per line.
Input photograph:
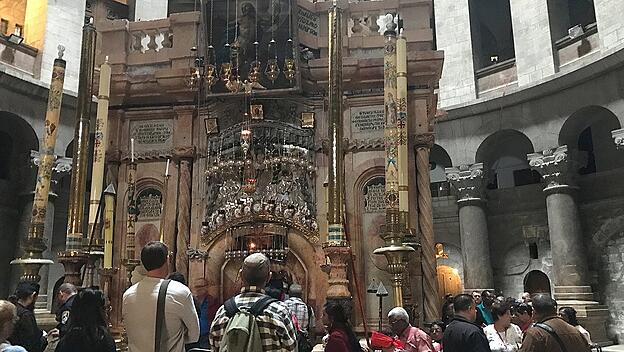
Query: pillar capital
[467,180]
[618,138]
[556,167]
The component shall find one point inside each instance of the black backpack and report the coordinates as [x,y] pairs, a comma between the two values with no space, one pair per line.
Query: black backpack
[303,339]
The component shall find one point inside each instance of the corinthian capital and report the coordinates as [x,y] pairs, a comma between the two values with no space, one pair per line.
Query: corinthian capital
[618,138]
[467,181]
[555,165]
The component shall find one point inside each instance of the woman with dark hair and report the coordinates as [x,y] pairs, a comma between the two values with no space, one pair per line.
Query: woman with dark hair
[88,330]
[436,331]
[569,315]
[503,336]
[341,335]
[26,332]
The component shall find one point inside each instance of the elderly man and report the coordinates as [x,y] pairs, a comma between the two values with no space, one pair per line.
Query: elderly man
[414,339]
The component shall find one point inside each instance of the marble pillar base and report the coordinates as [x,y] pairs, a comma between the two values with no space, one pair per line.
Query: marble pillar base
[590,313]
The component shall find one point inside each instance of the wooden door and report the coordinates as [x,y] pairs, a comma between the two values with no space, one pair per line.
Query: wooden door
[448,281]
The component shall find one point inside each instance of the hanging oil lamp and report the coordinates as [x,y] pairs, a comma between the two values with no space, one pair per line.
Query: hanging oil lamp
[226,67]
[234,83]
[211,69]
[289,61]
[272,70]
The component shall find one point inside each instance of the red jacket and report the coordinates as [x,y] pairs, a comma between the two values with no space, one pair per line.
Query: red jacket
[338,342]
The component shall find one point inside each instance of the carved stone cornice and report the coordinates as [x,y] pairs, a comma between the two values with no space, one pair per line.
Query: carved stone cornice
[618,138]
[185,152]
[424,140]
[62,165]
[556,167]
[467,181]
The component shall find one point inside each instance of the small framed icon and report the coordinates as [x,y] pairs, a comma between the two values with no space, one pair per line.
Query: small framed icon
[257,112]
[307,119]
[212,125]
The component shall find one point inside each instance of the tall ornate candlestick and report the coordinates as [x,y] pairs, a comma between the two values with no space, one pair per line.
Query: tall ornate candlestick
[95,246]
[35,245]
[395,134]
[130,262]
[336,248]
[74,257]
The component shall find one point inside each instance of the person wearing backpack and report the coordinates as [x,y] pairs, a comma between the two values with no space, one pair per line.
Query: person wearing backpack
[305,320]
[252,321]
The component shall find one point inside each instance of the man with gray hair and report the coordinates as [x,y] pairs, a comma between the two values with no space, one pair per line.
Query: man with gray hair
[66,295]
[274,323]
[414,339]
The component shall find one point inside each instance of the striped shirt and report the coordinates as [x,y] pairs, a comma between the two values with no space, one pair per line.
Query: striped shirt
[277,331]
[300,310]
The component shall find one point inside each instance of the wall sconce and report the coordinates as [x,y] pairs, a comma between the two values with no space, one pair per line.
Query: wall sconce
[15,39]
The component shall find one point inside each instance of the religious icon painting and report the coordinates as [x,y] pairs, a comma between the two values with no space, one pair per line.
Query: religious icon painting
[307,120]
[256,112]
[212,126]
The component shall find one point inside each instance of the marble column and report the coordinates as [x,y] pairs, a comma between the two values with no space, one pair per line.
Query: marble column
[467,181]
[570,270]
[618,138]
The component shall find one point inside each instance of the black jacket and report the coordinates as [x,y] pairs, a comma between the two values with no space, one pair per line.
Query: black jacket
[63,317]
[26,333]
[462,335]
[78,340]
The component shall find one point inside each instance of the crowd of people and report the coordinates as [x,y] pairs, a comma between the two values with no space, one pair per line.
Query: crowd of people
[161,313]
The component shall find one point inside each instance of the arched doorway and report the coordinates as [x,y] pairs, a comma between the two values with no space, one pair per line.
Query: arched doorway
[449,281]
[537,282]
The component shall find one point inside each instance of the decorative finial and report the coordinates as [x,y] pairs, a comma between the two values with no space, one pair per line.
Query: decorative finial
[106,59]
[61,51]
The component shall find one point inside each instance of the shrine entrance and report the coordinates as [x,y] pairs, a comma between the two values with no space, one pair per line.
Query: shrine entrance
[449,282]
[536,282]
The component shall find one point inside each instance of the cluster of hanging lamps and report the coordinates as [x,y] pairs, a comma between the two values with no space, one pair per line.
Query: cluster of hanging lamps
[229,71]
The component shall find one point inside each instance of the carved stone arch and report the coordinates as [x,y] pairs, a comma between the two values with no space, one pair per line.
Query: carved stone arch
[149,182]
[304,257]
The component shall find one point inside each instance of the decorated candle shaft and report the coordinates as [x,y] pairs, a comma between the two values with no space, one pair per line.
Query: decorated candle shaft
[132,212]
[99,152]
[335,186]
[391,132]
[401,50]
[75,238]
[109,225]
[35,244]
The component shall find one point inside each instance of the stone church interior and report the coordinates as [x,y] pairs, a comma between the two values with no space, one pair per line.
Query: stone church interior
[426,147]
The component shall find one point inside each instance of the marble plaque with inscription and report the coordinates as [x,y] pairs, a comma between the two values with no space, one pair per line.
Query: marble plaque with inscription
[375,196]
[152,134]
[308,22]
[367,121]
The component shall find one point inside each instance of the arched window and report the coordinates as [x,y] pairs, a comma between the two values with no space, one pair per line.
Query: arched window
[566,14]
[491,31]
[438,161]
[504,154]
[588,131]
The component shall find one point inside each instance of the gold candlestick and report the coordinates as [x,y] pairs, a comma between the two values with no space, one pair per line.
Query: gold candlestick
[163,205]
[35,245]
[336,248]
[74,257]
